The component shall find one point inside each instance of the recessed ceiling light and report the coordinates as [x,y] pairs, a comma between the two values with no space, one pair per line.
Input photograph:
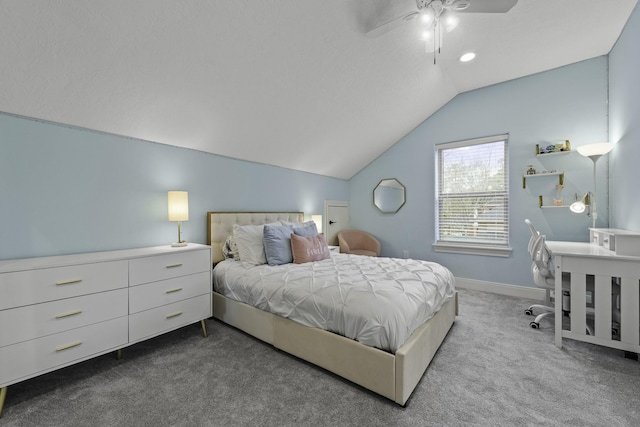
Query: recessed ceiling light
[467,57]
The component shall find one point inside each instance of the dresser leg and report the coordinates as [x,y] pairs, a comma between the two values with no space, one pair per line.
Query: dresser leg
[119,354]
[3,394]
[204,328]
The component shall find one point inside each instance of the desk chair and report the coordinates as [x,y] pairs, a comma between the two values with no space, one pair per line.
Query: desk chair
[543,274]
[543,277]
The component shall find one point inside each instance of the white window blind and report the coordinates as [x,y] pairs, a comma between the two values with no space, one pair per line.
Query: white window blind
[473,193]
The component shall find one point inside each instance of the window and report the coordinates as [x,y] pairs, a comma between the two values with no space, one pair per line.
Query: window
[473,197]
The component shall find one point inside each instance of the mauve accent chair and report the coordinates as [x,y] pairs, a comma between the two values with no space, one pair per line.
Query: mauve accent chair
[358,242]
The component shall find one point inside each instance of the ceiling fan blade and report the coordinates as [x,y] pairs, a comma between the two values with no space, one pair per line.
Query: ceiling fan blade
[489,6]
[392,24]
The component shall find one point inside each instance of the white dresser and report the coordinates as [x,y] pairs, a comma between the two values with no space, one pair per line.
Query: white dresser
[57,311]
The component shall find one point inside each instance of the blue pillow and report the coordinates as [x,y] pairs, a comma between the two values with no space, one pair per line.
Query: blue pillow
[277,244]
[308,229]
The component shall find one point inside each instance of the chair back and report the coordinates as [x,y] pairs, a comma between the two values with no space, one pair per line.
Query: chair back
[534,235]
[542,267]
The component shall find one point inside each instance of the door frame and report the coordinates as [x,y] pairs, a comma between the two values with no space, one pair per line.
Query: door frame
[333,203]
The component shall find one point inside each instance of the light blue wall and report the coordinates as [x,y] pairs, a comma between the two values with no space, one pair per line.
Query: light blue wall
[565,103]
[624,107]
[67,190]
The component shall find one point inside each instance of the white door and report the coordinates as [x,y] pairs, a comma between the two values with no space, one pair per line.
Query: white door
[336,214]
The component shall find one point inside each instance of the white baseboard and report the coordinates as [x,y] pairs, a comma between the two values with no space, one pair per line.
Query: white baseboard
[500,288]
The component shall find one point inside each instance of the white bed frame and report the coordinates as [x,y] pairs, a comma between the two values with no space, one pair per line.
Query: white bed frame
[393,376]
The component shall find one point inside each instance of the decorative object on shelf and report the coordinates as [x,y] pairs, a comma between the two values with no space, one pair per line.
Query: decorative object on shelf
[554,148]
[178,204]
[531,170]
[558,200]
[594,152]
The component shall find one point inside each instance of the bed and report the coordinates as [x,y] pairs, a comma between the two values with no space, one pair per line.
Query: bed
[393,372]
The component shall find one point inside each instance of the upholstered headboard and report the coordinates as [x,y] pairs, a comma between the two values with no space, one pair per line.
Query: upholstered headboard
[220,225]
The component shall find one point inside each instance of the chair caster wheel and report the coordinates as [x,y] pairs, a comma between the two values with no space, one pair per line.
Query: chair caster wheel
[528,312]
[534,325]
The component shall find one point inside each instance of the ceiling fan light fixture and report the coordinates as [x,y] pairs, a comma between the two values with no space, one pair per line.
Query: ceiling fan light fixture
[427,15]
[451,22]
[469,56]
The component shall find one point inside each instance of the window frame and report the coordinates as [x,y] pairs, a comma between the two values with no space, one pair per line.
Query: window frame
[469,247]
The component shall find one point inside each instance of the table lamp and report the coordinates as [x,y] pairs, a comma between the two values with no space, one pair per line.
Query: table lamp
[580,204]
[178,211]
[317,219]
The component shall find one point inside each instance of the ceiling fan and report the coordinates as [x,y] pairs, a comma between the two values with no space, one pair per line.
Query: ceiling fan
[435,16]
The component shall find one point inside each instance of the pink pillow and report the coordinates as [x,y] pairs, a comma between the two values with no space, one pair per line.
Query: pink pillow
[309,248]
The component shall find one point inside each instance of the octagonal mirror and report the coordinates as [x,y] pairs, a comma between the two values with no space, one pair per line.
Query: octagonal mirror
[389,195]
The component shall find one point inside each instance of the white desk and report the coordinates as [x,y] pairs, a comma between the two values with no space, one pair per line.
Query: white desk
[586,259]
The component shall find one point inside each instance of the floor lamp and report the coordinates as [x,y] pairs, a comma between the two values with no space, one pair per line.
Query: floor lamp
[594,152]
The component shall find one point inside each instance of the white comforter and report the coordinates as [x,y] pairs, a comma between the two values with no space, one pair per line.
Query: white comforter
[377,301]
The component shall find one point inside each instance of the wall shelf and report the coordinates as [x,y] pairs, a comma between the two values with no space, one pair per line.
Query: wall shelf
[553,149]
[560,176]
[543,206]
[555,207]
[555,153]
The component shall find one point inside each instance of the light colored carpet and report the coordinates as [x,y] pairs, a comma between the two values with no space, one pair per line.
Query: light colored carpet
[492,370]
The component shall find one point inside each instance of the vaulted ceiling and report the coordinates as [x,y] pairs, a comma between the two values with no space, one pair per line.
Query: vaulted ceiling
[291,83]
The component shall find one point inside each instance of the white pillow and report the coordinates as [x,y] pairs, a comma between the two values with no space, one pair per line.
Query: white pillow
[250,242]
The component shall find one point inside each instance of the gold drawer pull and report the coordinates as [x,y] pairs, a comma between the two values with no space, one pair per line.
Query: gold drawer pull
[71,313]
[65,347]
[174,265]
[174,315]
[170,291]
[68,282]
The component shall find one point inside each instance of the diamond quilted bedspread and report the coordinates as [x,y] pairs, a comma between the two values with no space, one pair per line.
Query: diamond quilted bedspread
[374,300]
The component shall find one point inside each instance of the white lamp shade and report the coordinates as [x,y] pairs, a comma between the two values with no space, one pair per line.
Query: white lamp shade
[178,205]
[317,219]
[577,207]
[580,205]
[599,149]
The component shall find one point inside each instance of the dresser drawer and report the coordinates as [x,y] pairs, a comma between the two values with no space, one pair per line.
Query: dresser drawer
[155,294]
[35,321]
[161,267]
[30,358]
[41,285]
[158,320]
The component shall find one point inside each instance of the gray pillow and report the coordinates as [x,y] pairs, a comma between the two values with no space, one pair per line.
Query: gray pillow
[277,244]
[307,229]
